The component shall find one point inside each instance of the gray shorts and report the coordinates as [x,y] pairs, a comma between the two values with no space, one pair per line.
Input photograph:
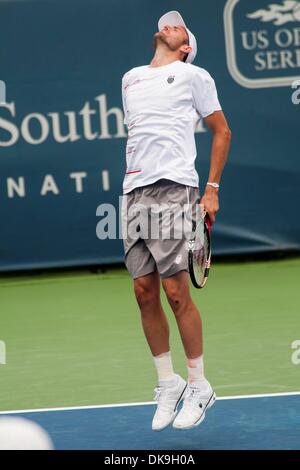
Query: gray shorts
[156,226]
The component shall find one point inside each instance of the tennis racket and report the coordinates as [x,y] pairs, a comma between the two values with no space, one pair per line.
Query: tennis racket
[199,251]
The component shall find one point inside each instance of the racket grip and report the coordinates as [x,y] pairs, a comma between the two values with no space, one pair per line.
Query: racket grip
[207,221]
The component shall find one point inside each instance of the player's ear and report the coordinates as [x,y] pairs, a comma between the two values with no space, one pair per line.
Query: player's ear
[185,48]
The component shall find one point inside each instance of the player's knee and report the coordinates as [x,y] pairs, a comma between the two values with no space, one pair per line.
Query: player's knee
[145,295]
[175,299]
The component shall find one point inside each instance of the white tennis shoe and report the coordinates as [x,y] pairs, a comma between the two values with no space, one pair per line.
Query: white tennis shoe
[168,399]
[195,404]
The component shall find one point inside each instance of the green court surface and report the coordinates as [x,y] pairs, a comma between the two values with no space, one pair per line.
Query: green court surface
[75,338]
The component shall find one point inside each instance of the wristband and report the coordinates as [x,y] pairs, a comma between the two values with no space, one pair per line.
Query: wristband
[214,185]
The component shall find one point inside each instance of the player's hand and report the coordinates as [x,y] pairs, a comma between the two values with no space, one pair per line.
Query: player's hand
[210,201]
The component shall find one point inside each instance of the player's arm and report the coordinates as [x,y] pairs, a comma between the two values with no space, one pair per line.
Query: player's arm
[221,133]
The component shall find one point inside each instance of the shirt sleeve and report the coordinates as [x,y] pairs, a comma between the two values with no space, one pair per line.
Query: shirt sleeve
[124,99]
[205,94]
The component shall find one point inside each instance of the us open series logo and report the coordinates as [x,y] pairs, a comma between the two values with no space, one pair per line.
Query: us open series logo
[263,42]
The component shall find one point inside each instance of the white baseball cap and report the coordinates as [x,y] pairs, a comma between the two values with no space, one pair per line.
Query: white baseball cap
[174,18]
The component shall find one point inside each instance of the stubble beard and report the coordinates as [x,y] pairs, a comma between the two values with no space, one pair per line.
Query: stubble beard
[161,38]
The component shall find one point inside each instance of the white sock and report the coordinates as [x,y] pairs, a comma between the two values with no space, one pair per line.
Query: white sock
[196,372]
[164,367]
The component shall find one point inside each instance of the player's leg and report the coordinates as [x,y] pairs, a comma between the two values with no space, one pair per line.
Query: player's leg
[171,387]
[186,313]
[200,394]
[141,265]
[154,321]
[156,328]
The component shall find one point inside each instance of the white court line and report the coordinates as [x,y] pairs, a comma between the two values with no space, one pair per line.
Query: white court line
[118,405]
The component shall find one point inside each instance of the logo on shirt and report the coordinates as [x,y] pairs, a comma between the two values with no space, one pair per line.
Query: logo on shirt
[263,42]
[171,79]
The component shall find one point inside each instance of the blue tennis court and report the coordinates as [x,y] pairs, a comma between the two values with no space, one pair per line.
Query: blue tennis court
[258,422]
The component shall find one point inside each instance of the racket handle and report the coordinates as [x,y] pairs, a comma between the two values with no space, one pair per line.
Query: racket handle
[207,221]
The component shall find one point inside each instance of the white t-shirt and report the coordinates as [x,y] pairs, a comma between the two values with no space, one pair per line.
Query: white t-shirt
[162,106]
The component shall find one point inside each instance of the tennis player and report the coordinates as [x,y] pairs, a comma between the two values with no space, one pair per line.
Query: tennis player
[163,102]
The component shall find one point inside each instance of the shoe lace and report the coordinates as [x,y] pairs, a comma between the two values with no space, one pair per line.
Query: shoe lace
[192,396]
[158,393]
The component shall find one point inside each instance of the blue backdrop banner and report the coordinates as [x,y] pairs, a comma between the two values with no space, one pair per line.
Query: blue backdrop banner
[62,137]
